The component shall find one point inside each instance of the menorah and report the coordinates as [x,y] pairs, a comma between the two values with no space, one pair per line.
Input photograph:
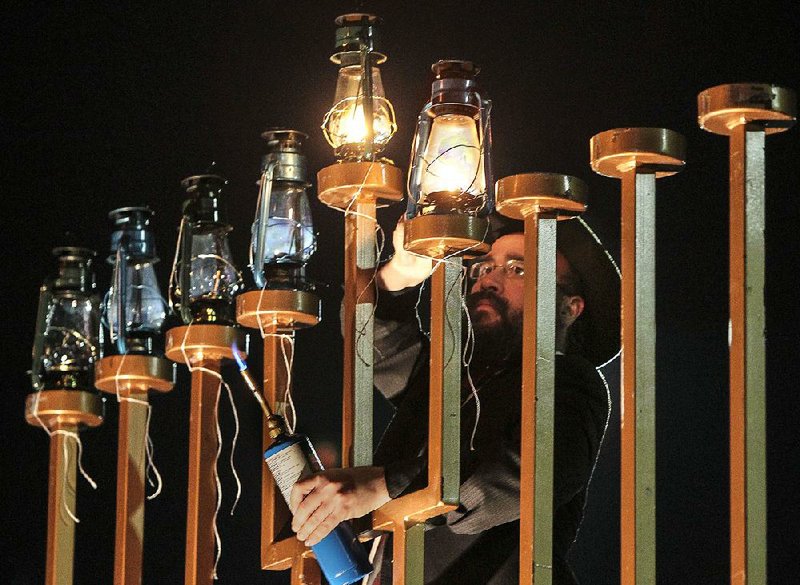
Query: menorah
[451,195]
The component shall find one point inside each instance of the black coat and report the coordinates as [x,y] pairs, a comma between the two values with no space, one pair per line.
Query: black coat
[479,542]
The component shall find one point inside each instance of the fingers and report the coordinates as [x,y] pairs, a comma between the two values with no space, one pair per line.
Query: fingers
[299,491]
[306,497]
[321,509]
[322,529]
[320,502]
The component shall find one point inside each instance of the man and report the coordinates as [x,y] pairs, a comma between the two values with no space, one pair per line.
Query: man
[478,542]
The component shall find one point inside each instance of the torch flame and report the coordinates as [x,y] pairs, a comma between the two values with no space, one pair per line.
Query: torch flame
[237,355]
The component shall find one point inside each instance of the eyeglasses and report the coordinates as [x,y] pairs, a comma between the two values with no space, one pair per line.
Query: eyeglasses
[513,268]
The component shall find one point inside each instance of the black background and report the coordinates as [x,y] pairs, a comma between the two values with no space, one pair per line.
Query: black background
[112,104]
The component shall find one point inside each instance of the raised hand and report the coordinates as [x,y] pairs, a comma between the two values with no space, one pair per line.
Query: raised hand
[404,269]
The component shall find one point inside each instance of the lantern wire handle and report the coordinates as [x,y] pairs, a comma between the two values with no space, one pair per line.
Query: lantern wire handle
[262,210]
[45,297]
[121,287]
[173,274]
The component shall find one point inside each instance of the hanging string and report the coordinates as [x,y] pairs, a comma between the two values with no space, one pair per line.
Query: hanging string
[469,349]
[150,469]
[599,448]
[288,360]
[470,342]
[286,405]
[217,537]
[67,435]
[74,436]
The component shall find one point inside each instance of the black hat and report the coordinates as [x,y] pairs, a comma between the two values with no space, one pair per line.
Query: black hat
[601,283]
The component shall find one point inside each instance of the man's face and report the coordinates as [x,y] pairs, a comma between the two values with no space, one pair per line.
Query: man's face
[496,298]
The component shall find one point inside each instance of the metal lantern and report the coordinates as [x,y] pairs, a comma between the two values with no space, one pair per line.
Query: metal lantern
[67,341]
[361,121]
[283,236]
[450,166]
[207,279]
[449,180]
[65,348]
[134,309]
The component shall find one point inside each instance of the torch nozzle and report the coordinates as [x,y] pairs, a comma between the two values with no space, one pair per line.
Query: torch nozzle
[251,383]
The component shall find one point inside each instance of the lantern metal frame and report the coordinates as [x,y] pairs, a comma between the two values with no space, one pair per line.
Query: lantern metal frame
[208,215]
[285,163]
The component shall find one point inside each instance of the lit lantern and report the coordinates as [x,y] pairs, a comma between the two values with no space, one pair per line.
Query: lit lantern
[450,172]
[207,279]
[283,236]
[361,121]
[67,341]
[134,308]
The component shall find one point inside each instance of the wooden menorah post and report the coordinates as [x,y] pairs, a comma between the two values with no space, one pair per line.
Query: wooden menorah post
[62,413]
[358,188]
[638,156]
[130,377]
[443,237]
[202,348]
[747,112]
[540,199]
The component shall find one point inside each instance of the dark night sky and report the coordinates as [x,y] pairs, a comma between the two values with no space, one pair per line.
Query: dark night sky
[106,106]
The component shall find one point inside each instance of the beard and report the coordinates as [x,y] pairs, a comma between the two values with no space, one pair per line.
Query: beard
[498,333]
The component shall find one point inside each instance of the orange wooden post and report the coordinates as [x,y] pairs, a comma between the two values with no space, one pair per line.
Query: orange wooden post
[638,156]
[277,314]
[540,199]
[131,376]
[62,412]
[747,112]
[202,348]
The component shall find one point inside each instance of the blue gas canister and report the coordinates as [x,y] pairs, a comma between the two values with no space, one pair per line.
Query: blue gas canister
[341,557]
